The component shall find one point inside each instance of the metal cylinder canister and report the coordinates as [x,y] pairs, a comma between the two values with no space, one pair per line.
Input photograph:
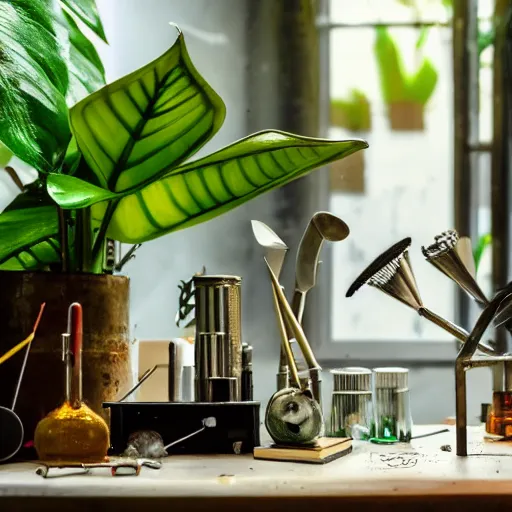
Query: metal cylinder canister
[218,346]
[351,411]
[393,419]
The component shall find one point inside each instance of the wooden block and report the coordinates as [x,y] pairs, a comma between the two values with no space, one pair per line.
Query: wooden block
[156,388]
[347,175]
[326,450]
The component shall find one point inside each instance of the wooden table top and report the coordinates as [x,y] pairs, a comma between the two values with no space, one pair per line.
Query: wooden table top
[420,473]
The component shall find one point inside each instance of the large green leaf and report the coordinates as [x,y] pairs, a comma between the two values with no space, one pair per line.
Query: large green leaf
[71,193]
[86,11]
[29,238]
[146,123]
[86,71]
[203,189]
[33,82]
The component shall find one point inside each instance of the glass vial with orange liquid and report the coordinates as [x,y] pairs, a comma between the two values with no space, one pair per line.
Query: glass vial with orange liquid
[499,417]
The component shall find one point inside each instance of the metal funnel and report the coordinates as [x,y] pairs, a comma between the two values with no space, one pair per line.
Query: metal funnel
[445,255]
[391,272]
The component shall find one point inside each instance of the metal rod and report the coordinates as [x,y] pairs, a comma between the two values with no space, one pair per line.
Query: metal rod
[145,376]
[185,438]
[324,25]
[25,358]
[460,409]
[290,370]
[289,317]
[454,330]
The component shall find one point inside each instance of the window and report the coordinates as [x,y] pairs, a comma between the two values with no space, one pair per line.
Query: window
[404,185]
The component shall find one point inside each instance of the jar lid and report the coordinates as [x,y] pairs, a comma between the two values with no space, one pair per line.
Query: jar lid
[391,378]
[353,378]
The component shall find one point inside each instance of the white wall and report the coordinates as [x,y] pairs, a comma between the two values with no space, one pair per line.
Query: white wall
[215,37]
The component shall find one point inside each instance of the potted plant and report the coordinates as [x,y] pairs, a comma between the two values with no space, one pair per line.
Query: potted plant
[114,166]
[405,95]
[352,113]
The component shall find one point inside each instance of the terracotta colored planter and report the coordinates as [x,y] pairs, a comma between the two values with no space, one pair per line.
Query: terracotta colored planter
[406,117]
[106,345]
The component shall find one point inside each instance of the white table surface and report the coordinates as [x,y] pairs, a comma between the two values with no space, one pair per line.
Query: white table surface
[419,468]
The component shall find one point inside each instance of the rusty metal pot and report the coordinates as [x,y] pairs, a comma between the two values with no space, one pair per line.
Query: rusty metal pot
[106,344]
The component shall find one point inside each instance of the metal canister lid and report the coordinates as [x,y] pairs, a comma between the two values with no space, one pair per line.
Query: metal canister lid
[391,378]
[502,376]
[353,378]
[217,280]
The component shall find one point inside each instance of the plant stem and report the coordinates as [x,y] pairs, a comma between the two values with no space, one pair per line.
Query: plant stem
[100,237]
[78,248]
[83,240]
[127,257]
[63,236]
[15,178]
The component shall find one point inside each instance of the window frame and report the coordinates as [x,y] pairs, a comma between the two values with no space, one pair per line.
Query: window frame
[328,350]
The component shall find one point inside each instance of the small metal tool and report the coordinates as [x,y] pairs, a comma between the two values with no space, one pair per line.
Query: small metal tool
[118,468]
[315,370]
[322,226]
[453,256]
[11,428]
[275,253]
[391,273]
[294,414]
[449,255]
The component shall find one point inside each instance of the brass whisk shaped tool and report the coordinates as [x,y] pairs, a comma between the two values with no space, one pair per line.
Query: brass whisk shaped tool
[452,255]
[391,272]
[448,254]
[275,253]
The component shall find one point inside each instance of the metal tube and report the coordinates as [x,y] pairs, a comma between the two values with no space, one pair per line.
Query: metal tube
[454,330]
[460,408]
[325,25]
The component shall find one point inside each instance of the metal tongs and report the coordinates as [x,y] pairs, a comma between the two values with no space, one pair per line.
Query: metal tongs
[288,323]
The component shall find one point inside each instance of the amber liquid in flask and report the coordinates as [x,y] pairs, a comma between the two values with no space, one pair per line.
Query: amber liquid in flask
[73,432]
[499,418]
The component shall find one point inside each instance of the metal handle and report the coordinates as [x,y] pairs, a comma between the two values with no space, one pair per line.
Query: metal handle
[454,330]
[145,376]
[298,302]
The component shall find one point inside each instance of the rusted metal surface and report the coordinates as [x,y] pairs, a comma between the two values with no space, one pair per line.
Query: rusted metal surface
[106,359]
